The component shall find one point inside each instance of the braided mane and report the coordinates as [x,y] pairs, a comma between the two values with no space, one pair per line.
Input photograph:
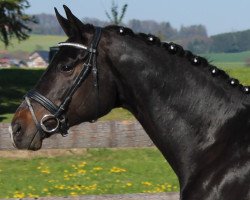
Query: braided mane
[176,49]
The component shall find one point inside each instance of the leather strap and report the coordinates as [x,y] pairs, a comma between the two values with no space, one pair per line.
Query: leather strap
[34,118]
[45,102]
[59,111]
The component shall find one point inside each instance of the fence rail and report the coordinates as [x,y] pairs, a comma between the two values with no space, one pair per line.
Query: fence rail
[100,134]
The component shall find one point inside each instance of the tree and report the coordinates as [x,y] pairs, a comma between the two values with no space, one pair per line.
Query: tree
[13,20]
[114,17]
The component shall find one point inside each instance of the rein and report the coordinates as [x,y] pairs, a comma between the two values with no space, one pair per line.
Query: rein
[57,113]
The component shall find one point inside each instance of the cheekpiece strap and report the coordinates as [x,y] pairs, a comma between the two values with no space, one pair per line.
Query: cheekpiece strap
[97,37]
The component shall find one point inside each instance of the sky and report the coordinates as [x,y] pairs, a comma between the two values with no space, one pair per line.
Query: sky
[219,16]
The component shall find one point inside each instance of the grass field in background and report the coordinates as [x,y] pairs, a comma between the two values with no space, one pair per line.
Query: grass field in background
[14,83]
[229,65]
[41,42]
[228,57]
[98,171]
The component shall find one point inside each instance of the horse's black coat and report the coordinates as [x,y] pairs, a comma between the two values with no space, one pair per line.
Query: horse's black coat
[195,114]
[198,121]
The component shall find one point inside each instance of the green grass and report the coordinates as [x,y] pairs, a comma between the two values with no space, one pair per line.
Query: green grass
[14,83]
[228,57]
[242,73]
[41,42]
[99,171]
[118,114]
[229,65]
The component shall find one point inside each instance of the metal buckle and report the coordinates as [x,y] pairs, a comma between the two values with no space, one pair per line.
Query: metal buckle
[47,117]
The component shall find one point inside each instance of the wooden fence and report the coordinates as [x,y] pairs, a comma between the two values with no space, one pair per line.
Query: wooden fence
[87,135]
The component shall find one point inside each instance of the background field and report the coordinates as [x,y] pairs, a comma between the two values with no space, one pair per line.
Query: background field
[98,171]
[41,42]
[228,57]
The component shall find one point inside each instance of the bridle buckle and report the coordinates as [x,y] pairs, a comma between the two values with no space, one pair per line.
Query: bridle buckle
[47,118]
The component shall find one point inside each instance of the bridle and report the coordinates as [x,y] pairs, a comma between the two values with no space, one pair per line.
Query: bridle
[57,113]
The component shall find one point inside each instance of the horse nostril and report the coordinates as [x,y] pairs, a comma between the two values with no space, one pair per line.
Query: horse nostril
[17,129]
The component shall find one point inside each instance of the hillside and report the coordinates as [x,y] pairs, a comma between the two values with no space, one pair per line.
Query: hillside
[231,42]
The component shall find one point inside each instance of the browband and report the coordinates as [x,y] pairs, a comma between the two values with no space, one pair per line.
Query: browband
[76,45]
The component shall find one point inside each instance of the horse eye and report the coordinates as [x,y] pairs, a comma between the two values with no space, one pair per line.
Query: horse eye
[66,68]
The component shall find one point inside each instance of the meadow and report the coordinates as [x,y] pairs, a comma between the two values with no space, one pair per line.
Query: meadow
[33,43]
[237,59]
[98,171]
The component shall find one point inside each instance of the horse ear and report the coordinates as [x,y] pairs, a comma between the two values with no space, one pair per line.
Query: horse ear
[77,24]
[64,23]
[72,18]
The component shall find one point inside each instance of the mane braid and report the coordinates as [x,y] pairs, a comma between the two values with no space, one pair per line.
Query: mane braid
[176,49]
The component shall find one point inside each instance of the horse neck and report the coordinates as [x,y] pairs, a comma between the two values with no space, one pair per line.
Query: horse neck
[187,113]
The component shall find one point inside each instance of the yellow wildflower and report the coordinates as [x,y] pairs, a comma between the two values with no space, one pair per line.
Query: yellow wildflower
[81,171]
[33,195]
[45,171]
[129,184]
[97,168]
[73,194]
[82,164]
[146,183]
[117,170]
[19,195]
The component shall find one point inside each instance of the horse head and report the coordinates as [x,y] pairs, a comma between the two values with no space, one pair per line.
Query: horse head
[76,87]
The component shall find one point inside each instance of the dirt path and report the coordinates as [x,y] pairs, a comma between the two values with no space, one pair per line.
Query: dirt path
[159,196]
[23,154]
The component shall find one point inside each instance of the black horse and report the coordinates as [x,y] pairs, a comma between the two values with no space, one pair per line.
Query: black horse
[194,113]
